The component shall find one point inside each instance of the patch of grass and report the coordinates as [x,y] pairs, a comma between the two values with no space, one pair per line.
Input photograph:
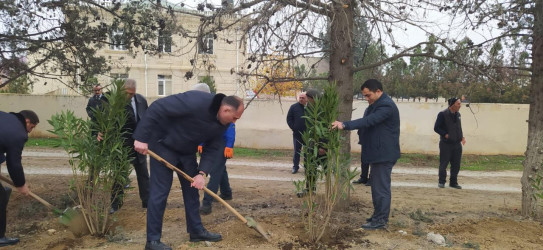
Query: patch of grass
[250,152]
[469,162]
[43,142]
[471,245]
[420,216]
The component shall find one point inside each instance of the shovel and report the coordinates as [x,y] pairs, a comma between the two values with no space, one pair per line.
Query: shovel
[66,216]
[250,222]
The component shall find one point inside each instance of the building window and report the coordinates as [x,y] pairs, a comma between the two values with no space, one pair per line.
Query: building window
[164,85]
[118,42]
[164,42]
[206,45]
[118,76]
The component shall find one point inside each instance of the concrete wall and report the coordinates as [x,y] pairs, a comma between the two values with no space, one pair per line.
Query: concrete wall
[490,129]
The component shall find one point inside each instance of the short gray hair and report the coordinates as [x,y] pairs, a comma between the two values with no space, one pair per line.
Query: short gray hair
[201,87]
[130,84]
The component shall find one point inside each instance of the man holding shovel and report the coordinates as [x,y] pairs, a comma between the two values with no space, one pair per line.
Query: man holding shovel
[173,127]
[14,129]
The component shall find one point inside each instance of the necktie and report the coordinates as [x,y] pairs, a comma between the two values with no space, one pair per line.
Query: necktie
[133,102]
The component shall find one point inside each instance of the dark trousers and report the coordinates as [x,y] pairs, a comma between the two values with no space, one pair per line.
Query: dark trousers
[449,152]
[297,141]
[218,179]
[4,198]
[364,175]
[159,189]
[380,190]
[142,174]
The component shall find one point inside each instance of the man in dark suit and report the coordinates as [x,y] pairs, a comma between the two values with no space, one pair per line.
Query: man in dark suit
[96,100]
[296,123]
[379,135]
[173,127]
[14,129]
[136,108]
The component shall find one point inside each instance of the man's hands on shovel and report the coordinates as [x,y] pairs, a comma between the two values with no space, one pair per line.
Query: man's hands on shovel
[199,181]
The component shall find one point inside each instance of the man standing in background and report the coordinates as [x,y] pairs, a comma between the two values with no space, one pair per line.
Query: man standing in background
[451,139]
[96,100]
[296,123]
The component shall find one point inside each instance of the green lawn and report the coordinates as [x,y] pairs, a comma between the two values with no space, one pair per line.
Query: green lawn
[469,162]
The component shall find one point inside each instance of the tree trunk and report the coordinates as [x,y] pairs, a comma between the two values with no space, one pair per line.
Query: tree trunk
[531,206]
[341,64]
[341,59]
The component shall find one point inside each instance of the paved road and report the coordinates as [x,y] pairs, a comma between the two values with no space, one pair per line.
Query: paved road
[503,181]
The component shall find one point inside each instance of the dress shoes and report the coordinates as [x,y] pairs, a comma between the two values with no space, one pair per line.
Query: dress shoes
[361,181]
[205,236]
[369,219]
[441,185]
[456,186]
[295,170]
[205,209]
[5,241]
[226,197]
[156,245]
[374,225]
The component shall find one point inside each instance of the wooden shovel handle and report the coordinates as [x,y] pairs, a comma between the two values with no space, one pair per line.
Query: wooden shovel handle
[42,201]
[188,178]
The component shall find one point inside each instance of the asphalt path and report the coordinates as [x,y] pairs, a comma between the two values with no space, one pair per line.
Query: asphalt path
[402,176]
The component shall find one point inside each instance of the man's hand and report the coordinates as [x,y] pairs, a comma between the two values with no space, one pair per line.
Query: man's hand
[24,190]
[463,140]
[99,136]
[228,152]
[200,149]
[338,125]
[141,147]
[322,151]
[199,182]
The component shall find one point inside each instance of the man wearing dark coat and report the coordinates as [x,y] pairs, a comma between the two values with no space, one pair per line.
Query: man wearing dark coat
[96,100]
[173,127]
[379,135]
[451,139]
[136,108]
[296,123]
[14,129]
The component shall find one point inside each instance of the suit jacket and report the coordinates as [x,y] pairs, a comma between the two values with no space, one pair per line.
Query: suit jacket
[13,136]
[132,122]
[94,103]
[179,123]
[379,131]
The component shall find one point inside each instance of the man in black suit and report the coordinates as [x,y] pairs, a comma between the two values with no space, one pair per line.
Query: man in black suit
[379,135]
[296,123]
[173,127]
[136,107]
[14,129]
[96,100]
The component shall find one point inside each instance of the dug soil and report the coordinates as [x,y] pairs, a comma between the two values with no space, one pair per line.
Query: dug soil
[483,215]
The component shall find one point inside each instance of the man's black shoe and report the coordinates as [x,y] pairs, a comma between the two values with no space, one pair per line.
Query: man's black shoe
[205,236]
[205,209]
[369,219]
[156,245]
[367,184]
[361,181]
[441,185]
[295,170]
[226,197]
[374,225]
[144,204]
[5,241]
[456,186]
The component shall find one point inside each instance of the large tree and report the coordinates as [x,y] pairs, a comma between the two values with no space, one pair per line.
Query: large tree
[293,27]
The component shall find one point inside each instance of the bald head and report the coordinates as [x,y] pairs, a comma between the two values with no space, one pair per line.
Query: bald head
[231,110]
